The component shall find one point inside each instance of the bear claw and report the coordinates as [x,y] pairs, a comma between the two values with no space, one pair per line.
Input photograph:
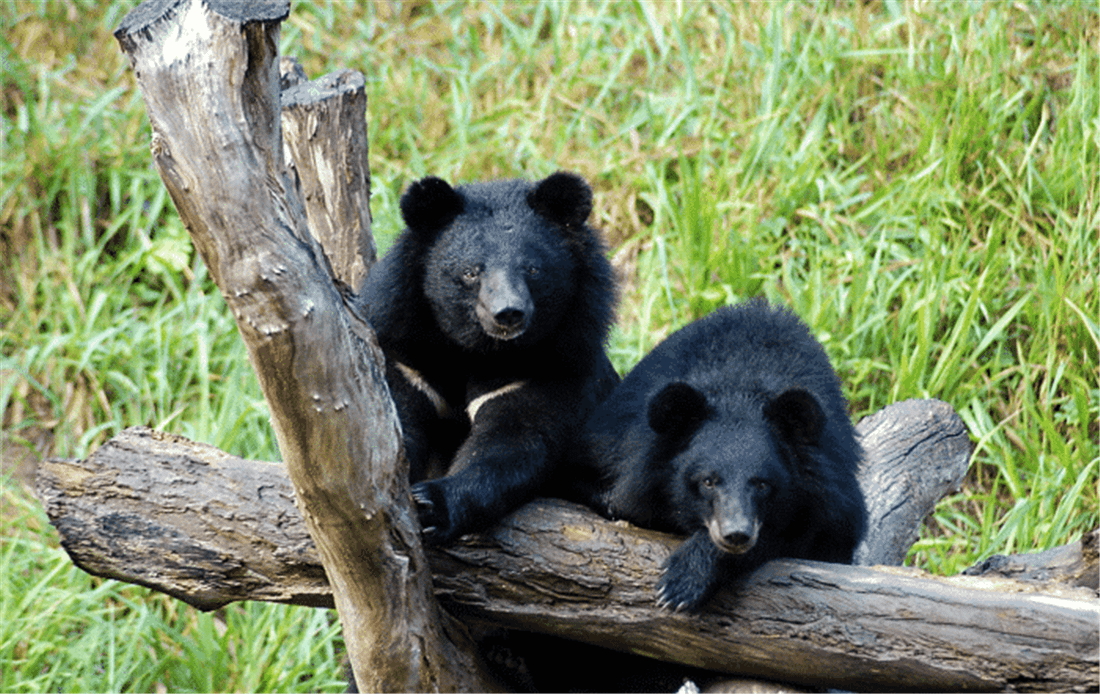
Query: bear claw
[432,514]
[421,498]
[678,592]
[665,603]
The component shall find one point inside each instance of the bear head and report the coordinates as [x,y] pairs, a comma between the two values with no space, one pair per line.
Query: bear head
[734,467]
[500,256]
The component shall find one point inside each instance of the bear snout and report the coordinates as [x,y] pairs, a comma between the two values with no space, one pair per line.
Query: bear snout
[504,306]
[506,324]
[735,535]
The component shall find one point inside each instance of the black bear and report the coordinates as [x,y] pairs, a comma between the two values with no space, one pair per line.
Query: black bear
[492,309]
[734,431]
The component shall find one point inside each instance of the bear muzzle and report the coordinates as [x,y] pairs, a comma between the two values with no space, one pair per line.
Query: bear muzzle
[504,307]
[734,533]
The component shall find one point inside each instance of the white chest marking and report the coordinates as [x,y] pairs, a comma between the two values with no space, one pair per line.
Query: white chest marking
[476,403]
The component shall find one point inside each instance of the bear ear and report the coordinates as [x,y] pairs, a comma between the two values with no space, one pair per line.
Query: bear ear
[563,198]
[797,415]
[430,204]
[677,410]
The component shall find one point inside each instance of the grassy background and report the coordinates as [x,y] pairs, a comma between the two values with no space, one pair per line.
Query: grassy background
[918,180]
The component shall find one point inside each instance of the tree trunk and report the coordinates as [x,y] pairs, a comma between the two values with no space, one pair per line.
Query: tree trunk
[154,509]
[208,71]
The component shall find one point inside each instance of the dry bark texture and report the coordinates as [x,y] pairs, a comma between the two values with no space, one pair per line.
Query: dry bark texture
[187,519]
[209,74]
[325,143]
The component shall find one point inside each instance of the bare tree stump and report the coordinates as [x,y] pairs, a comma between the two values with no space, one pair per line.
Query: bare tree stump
[325,145]
[208,71]
[916,452]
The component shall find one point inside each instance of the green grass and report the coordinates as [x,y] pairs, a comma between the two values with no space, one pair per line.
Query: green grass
[920,183]
[67,631]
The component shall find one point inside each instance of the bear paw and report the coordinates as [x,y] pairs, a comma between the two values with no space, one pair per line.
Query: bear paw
[432,508]
[688,578]
[681,592]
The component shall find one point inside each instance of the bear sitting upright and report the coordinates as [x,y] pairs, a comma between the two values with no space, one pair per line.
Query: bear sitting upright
[492,309]
[735,432]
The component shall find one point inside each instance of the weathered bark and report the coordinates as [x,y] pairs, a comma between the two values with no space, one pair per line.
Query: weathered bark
[917,451]
[208,71]
[210,528]
[822,625]
[325,142]
[188,520]
[1075,564]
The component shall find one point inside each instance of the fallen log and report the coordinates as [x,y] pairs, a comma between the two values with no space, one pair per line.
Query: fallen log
[820,625]
[1074,564]
[208,528]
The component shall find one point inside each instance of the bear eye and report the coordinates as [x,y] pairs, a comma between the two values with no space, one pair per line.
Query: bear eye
[709,482]
[533,271]
[470,276]
[762,486]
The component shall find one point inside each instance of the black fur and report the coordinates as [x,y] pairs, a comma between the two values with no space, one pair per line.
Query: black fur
[491,285]
[733,431]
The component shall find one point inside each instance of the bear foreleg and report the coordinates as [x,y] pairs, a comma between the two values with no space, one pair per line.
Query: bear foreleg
[493,480]
[516,439]
[691,574]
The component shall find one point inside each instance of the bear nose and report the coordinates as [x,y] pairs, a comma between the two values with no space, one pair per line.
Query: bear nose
[737,539]
[510,318]
[733,533]
[504,305]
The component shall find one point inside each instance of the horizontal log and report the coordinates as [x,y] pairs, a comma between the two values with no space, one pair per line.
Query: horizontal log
[877,629]
[1074,564]
[189,520]
[186,519]
[148,494]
